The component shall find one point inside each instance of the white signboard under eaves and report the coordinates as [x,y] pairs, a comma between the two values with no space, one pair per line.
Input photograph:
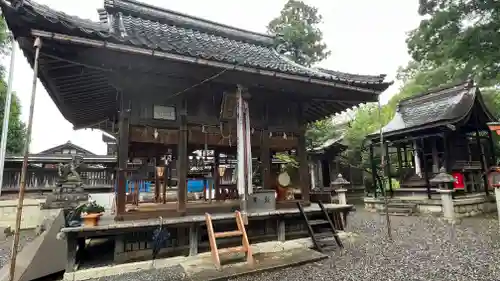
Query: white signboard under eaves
[161,112]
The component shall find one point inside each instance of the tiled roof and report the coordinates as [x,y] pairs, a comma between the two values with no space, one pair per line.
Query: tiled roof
[67,145]
[449,104]
[141,25]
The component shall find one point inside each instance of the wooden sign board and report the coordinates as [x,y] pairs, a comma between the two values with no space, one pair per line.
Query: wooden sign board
[164,113]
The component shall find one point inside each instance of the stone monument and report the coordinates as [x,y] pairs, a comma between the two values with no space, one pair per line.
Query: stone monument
[68,192]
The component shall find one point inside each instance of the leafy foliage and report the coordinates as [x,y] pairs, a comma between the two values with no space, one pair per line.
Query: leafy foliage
[464,32]
[299,37]
[319,132]
[17,133]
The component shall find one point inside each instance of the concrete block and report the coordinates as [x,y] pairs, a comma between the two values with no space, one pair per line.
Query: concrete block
[32,262]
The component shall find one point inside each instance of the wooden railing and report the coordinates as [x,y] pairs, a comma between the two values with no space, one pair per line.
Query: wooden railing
[42,178]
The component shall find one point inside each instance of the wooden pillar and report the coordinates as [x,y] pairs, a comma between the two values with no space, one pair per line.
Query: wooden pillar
[424,169]
[405,154]
[388,168]
[123,143]
[157,179]
[182,160]
[412,159]
[217,175]
[481,159]
[481,155]
[446,153]
[72,247]
[321,181]
[492,149]
[194,231]
[400,163]
[265,160]
[374,171]
[303,167]
[435,157]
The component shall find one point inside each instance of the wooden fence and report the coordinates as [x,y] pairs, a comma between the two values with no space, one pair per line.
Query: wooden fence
[43,177]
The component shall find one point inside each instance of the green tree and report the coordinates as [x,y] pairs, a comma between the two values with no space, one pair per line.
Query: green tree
[17,132]
[319,132]
[299,38]
[298,35]
[462,32]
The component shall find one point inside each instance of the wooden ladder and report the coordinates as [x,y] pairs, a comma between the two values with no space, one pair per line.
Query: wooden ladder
[212,236]
[326,221]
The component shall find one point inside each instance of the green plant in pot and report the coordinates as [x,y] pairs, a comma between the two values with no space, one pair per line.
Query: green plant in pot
[91,213]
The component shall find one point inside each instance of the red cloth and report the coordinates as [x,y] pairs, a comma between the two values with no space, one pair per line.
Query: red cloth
[459,180]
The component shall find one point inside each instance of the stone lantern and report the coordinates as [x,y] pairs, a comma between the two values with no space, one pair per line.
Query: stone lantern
[443,180]
[338,186]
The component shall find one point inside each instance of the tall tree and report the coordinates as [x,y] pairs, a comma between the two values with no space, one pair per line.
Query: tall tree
[465,32]
[16,133]
[299,37]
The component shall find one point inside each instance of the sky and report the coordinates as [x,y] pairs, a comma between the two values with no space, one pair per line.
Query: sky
[364,36]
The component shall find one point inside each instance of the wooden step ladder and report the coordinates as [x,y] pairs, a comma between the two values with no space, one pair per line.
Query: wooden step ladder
[212,237]
[325,221]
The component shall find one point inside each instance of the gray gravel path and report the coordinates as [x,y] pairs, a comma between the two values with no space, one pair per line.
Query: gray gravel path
[424,248]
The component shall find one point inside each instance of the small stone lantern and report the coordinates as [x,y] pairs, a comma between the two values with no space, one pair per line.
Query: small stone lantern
[338,186]
[442,180]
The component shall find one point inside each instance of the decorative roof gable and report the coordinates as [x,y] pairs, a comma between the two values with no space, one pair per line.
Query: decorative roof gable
[67,145]
[446,105]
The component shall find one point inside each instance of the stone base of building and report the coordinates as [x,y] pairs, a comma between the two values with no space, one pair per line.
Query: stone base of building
[465,206]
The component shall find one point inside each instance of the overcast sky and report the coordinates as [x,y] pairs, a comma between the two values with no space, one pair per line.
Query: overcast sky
[364,36]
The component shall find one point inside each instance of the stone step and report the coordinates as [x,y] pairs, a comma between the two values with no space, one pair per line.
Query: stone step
[402,205]
[398,211]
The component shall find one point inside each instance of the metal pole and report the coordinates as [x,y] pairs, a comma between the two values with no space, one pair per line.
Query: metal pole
[382,164]
[15,243]
[6,112]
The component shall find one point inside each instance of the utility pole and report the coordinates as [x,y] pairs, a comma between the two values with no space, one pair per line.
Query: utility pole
[383,166]
[6,112]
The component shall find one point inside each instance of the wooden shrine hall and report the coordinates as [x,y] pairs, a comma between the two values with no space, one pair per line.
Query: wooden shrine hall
[186,98]
[445,127]
[167,84]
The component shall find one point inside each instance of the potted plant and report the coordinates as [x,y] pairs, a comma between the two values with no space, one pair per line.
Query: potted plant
[91,213]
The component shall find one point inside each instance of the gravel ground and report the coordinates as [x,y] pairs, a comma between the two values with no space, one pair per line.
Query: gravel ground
[423,248]
[6,245]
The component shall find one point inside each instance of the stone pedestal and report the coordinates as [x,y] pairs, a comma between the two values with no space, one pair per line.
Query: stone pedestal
[447,204]
[67,195]
[341,194]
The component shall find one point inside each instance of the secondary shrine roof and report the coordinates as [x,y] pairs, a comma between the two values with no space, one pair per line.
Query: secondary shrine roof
[450,104]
